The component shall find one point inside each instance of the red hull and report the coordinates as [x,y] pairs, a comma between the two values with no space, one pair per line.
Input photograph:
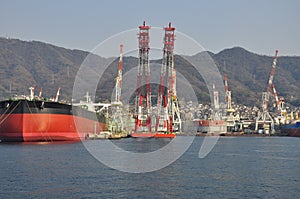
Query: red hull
[142,135]
[153,135]
[46,127]
[165,135]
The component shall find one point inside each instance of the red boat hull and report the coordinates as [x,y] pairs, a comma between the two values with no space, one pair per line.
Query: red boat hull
[29,121]
[142,135]
[165,135]
[153,135]
[46,127]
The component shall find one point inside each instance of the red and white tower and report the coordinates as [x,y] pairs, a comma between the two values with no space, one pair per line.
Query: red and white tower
[116,125]
[281,119]
[265,118]
[168,116]
[119,77]
[276,97]
[143,90]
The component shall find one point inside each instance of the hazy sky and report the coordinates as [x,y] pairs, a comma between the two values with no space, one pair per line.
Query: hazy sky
[260,26]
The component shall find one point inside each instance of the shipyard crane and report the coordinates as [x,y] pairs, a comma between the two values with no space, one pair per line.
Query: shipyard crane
[264,117]
[57,95]
[40,93]
[168,116]
[143,90]
[119,77]
[116,125]
[228,95]
[276,97]
[280,107]
[230,120]
[31,92]
[216,109]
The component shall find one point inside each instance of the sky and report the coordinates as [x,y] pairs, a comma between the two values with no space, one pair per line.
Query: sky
[260,26]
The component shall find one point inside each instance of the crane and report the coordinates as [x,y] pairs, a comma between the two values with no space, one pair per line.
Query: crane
[57,95]
[280,107]
[264,117]
[168,115]
[143,89]
[117,125]
[230,119]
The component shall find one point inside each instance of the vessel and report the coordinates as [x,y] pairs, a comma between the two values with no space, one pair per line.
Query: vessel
[142,134]
[165,135]
[152,135]
[210,126]
[25,120]
[292,129]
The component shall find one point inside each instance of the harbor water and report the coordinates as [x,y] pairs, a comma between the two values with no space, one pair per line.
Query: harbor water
[237,167]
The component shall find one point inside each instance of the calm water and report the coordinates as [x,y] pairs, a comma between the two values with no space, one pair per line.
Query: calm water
[236,168]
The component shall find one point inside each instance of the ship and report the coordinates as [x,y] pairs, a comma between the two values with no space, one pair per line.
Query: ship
[142,135]
[32,120]
[147,131]
[210,126]
[292,129]
[153,135]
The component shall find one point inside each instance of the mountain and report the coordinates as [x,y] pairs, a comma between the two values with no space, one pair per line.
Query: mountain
[27,63]
[248,75]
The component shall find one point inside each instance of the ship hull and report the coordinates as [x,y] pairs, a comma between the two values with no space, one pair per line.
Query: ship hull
[153,135]
[210,126]
[29,121]
[142,135]
[292,129]
[165,135]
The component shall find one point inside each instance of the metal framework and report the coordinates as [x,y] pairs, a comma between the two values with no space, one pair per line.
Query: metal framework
[280,107]
[168,116]
[143,90]
[117,125]
[265,118]
[216,109]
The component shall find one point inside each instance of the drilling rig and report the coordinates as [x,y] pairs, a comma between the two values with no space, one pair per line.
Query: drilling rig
[264,117]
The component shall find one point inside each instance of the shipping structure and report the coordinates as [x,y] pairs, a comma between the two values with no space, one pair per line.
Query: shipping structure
[168,120]
[215,125]
[292,129]
[264,122]
[116,124]
[31,118]
[142,115]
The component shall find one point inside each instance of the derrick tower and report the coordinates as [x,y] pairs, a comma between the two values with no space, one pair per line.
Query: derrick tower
[168,115]
[143,90]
